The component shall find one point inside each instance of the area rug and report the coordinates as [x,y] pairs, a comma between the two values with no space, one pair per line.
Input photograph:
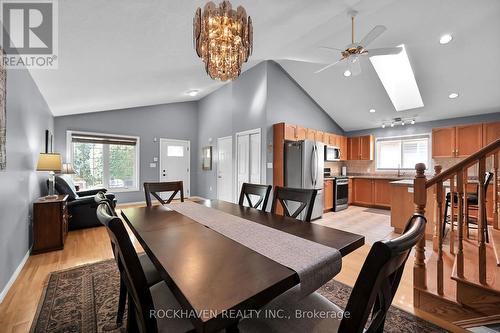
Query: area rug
[84,300]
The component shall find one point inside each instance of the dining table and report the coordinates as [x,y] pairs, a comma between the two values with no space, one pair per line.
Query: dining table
[206,270]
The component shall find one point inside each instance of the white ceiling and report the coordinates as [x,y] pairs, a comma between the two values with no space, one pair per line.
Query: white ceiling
[124,53]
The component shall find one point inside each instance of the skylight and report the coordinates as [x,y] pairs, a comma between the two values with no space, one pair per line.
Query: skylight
[396,75]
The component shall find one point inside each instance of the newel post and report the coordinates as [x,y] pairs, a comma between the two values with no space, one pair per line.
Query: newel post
[438,203]
[420,199]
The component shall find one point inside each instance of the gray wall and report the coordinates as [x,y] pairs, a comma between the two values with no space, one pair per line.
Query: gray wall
[28,116]
[259,98]
[426,127]
[172,121]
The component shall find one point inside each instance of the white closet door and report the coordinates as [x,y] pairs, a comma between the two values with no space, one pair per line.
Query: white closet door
[243,160]
[255,158]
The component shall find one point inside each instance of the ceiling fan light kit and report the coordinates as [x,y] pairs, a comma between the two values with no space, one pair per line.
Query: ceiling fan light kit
[399,121]
[223,39]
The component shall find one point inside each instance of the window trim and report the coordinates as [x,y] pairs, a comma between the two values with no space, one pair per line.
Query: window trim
[69,155]
[404,137]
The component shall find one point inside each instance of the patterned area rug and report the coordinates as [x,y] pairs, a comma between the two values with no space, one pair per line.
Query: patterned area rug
[84,300]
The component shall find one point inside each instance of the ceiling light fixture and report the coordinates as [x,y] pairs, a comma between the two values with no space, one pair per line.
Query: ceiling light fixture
[347,73]
[413,121]
[223,39]
[192,92]
[392,124]
[402,123]
[372,110]
[453,95]
[445,39]
[383,125]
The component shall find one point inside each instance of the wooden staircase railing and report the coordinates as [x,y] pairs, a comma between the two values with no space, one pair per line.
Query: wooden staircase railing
[457,176]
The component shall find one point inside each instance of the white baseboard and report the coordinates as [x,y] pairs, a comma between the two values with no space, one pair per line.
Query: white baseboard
[14,277]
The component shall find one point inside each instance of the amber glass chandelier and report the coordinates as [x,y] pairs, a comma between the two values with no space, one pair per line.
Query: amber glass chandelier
[222,39]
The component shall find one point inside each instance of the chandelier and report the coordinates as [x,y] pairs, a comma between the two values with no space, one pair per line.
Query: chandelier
[223,39]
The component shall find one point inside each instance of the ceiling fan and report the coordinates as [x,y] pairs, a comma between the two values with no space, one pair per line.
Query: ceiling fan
[354,51]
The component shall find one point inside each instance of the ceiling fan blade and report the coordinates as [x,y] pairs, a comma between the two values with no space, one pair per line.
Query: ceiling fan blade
[372,35]
[328,66]
[384,51]
[330,48]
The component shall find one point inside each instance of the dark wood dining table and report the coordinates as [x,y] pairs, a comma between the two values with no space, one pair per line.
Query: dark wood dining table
[212,275]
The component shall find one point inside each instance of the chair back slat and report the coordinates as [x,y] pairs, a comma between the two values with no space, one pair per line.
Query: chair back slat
[379,279]
[261,191]
[131,272]
[304,197]
[153,189]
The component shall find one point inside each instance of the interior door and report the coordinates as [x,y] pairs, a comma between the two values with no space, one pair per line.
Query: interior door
[225,176]
[248,158]
[175,163]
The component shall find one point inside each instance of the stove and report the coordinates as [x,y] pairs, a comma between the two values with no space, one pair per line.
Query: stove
[340,193]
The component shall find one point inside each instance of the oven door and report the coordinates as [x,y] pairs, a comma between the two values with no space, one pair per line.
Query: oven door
[332,153]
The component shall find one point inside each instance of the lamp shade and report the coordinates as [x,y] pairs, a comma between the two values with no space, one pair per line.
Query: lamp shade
[67,168]
[49,162]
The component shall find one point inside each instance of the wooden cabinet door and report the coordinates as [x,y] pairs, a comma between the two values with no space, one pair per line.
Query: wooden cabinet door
[382,192]
[328,195]
[290,132]
[310,134]
[366,147]
[468,139]
[353,144]
[491,132]
[320,136]
[343,148]
[300,133]
[350,191]
[443,142]
[363,192]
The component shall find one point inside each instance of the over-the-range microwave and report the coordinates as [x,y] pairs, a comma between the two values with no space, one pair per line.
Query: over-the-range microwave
[332,153]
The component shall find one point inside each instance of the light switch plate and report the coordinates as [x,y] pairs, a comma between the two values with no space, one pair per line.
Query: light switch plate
[410,189]
[270,165]
[155,159]
[152,165]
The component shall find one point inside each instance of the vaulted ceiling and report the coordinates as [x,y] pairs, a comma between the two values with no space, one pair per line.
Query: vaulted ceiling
[125,53]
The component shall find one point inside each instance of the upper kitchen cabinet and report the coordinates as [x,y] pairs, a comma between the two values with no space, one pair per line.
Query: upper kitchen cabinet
[289,131]
[491,132]
[343,148]
[300,133]
[311,134]
[443,142]
[360,148]
[468,139]
[320,136]
[458,141]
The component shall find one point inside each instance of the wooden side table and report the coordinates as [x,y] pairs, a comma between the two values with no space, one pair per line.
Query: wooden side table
[50,224]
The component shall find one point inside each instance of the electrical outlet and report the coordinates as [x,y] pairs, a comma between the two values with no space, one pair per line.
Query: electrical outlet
[152,165]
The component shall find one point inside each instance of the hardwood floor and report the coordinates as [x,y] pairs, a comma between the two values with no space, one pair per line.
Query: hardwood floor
[92,245]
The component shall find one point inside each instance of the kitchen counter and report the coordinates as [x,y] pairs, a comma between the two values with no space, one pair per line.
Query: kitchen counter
[380,176]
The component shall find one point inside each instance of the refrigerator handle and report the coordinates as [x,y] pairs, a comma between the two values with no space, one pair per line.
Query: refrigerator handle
[316,166]
[314,170]
[312,166]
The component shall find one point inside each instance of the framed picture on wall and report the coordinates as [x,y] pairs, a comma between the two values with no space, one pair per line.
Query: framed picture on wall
[206,163]
[3,112]
[49,141]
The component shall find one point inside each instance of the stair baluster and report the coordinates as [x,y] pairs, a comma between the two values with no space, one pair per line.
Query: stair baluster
[460,224]
[496,204]
[452,211]
[481,222]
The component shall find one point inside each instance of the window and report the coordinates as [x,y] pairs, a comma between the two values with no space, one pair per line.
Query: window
[102,160]
[402,152]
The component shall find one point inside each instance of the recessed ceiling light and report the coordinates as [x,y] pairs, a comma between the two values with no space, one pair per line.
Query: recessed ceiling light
[445,39]
[453,95]
[347,73]
[192,92]
[372,110]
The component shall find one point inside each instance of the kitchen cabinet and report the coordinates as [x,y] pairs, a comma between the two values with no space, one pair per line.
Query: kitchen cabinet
[360,148]
[381,192]
[371,192]
[300,133]
[328,195]
[350,188]
[320,136]
[459,141]
[363,193]
[310,134]
[468,139]
[343,148]
[289,131]
[443,142]
[491,132]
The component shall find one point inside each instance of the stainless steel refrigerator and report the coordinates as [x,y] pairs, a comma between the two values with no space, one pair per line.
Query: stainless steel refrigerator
[304,162]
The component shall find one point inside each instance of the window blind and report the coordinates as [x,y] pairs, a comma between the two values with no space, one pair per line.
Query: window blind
[103,139]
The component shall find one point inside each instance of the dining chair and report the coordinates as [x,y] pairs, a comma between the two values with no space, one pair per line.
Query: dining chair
[261,191]
[287,195]
[472,203]
[153,189]
[152,275]
[371,296]
[143,299]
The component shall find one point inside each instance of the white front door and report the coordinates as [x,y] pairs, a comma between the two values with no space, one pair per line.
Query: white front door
[225,169]
[175,163]
[248,158]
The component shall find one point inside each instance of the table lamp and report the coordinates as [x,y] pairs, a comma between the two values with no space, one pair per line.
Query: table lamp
[51,163]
